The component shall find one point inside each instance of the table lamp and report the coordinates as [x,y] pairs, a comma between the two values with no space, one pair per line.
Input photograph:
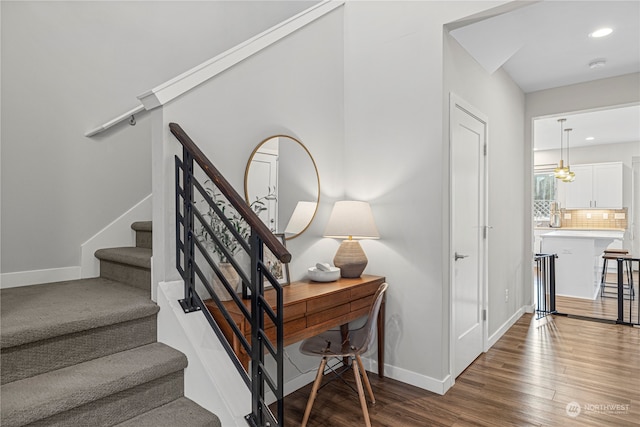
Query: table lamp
[351,220]
[300,218]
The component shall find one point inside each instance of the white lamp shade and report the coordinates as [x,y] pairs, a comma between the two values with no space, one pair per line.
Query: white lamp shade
[301,217]
[351,219]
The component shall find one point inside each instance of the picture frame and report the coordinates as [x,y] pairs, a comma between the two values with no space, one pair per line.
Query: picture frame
[279,270]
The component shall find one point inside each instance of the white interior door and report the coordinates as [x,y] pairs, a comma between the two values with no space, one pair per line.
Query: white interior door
[263,179]
[468,142]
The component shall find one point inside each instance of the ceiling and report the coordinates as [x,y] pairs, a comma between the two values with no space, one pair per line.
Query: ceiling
[546,44]
[604,126]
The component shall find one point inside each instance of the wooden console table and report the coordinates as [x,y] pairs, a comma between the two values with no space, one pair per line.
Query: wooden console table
[309,309]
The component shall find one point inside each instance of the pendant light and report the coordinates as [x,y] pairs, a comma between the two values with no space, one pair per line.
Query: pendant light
[561,171]
[571,176]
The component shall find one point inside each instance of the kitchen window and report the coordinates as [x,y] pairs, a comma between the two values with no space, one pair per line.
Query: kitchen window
[544,192]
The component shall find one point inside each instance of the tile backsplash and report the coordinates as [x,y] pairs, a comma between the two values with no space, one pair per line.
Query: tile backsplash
[594,218]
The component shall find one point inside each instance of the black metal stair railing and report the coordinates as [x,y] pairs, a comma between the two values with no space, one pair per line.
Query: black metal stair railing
[628,298]
[545,281]
[234,233]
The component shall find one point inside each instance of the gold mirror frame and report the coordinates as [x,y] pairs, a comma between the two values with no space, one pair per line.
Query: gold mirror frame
[315,170]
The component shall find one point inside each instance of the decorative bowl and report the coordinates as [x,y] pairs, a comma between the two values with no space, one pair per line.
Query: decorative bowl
[324,276]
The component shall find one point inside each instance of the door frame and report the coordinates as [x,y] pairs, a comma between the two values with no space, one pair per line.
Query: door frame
[456,102]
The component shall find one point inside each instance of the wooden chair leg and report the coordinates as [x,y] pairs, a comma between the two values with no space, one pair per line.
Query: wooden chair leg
[363,400]
[314,391]
[365,377]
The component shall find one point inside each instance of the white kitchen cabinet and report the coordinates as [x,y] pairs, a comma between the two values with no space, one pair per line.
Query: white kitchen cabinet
[597,186]
[579,193]
[607,185]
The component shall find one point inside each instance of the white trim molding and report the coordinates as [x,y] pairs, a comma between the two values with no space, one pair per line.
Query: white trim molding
[505,327]
[166,92]
[37,277]
[117,233]
[409,377]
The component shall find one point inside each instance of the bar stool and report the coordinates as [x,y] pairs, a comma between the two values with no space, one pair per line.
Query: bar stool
[628,291]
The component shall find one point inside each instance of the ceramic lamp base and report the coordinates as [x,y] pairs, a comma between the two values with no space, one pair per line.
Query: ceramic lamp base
[350,258]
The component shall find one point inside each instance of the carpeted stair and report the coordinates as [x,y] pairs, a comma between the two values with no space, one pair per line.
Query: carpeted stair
[84,352]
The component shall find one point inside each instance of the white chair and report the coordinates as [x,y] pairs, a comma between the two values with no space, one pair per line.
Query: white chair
[332,344]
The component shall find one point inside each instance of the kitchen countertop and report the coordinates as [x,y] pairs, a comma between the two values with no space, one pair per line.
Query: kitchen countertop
[579,253]
[576,228]
[588,234]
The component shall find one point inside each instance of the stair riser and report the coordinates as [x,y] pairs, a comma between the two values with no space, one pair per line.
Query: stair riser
[47,355]
[131,275]
[144,239]
[118,407]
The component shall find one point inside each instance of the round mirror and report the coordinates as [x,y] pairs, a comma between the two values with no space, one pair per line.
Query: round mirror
[282,186]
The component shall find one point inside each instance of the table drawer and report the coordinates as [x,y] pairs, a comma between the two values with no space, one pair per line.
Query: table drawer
[328,314]
[294,311]
[362,303]
[290,327]
[327,301]
[368,289]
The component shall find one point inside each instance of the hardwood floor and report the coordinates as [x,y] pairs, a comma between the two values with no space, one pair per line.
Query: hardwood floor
[526,379]
[600,308]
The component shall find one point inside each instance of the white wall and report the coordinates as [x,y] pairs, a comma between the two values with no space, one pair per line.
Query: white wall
[69,66]
[395,145]
[616,152]
[294,87]
[294,186]
[389,151]
[498,97]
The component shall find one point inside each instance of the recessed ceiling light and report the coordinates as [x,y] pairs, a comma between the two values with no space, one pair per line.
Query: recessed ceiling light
[602,32]
[589,138]
[598,63]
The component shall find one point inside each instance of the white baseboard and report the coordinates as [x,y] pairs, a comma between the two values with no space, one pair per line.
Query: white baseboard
[409,377]
[504,328]
[118,233]
[36,277]
[371,365]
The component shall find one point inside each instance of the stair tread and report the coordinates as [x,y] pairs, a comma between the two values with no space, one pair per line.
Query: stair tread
[44,395]
[32,313]
[142,226]
[181,411]
[139,257]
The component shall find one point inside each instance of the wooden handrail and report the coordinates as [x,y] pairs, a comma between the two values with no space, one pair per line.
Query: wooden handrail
[232,195]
